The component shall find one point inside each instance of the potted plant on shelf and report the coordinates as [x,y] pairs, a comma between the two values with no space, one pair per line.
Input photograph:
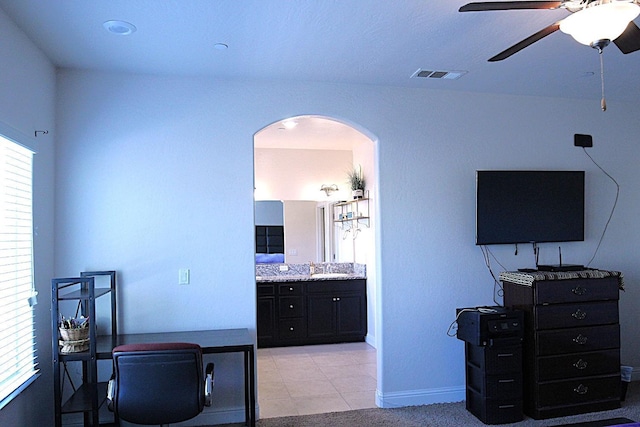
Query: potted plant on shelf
[356,180]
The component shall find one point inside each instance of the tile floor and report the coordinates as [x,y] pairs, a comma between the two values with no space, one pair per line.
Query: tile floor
[316,379]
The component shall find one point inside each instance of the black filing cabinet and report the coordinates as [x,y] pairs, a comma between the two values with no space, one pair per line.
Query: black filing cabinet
[493,363]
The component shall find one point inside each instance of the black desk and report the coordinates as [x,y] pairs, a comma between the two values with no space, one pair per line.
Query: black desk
[212,341]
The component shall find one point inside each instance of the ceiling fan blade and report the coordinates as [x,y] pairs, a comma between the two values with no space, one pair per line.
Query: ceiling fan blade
[509,5]
[629,41]
[526,42]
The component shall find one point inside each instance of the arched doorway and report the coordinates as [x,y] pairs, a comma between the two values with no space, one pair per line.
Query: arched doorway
[293,159]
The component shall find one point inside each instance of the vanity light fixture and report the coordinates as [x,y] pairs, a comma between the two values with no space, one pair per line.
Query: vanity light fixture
[120,28]
[329,188]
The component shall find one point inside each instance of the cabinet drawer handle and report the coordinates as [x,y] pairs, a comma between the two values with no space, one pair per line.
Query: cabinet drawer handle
[581,389]
[336,299]
[579,290]
[580,339]
[579,314]
[291,328]
[581,364]
[290,305]
[290,289]
[506,381]
[505,354]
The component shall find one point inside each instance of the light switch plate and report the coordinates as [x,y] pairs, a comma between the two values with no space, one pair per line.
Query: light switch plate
[183,276]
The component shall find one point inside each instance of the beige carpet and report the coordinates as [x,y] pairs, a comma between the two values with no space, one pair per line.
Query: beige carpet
[441,415]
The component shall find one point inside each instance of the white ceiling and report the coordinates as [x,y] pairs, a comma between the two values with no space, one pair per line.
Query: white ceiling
[378,42]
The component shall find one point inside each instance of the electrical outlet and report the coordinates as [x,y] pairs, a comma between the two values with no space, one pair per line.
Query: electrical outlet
[284,268]
[580,140]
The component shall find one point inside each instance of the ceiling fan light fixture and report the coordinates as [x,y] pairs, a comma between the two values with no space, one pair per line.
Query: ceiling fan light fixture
[605,21]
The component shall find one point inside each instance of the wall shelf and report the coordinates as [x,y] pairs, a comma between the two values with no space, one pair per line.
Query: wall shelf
[350,214]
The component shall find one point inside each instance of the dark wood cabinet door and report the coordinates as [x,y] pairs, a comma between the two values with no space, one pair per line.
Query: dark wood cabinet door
[321,317]
[266,319]
[351,315]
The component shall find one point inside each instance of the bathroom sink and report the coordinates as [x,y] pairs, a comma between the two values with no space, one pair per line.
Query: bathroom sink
[329,275]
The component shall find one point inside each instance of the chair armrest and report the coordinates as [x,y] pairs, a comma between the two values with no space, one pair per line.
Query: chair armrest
[208,384]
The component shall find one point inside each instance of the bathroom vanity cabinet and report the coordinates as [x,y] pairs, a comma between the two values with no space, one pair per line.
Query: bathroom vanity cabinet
[311,312]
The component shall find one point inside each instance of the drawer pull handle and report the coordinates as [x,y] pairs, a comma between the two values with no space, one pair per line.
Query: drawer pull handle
[579,290]
[580,339]
[506,381]
[581,364]
[581,389]
[506,406]
[579,314]
[290,289]
[291,328]
[290,305]
[505,354]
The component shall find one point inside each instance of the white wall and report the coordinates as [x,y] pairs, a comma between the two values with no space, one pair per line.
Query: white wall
[292,174]
[156,174]
[27,98]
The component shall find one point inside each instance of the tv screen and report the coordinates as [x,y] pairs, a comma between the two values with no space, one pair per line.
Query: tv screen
[529,206]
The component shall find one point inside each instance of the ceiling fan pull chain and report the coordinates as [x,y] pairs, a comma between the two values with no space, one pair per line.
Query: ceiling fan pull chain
[603,102]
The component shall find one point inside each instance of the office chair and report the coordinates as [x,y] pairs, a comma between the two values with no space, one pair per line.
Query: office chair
[159,383]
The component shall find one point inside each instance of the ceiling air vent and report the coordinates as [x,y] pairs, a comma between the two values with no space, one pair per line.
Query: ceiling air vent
[431,74]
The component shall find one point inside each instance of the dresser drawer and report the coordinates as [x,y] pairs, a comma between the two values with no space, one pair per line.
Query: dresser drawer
[575,315]
[576,290]
[577,340]
[495,386]
[579,390]
[495,360]
[291,328]
[290,289]
[578,365]
[291,306]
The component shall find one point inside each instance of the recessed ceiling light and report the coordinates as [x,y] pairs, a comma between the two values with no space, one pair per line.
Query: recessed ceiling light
[289,124]
[121,28]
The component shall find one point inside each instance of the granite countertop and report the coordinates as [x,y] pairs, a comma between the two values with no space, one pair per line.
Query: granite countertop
[307,278]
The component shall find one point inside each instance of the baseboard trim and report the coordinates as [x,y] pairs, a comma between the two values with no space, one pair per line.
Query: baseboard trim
[420,397]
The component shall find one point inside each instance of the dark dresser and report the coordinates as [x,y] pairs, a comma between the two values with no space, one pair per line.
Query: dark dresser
[571,348]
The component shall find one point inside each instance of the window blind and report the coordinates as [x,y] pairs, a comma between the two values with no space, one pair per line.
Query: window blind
[18,361]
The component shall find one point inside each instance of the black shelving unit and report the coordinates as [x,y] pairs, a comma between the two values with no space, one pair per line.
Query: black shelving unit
[90,395]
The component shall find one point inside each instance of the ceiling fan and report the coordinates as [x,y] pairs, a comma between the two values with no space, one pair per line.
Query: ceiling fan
[592,22]
[595,23]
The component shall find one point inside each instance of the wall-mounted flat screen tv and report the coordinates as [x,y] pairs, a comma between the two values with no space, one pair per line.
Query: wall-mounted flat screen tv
[529,206]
